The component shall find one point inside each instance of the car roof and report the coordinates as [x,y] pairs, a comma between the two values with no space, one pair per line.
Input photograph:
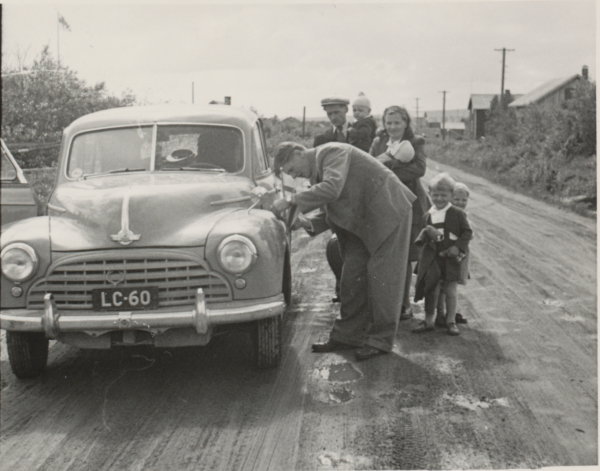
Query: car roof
[132,115]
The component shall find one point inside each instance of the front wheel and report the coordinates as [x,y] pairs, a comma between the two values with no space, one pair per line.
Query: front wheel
[266,342]
[27,353]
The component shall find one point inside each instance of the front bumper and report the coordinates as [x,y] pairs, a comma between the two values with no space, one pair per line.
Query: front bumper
[201,317]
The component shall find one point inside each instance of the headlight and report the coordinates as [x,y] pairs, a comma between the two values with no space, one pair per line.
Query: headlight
[236,254]
[19,262]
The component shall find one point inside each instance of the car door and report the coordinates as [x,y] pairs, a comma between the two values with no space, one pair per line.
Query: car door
[17,198]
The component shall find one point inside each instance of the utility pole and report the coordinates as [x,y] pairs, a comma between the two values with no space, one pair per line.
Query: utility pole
[444,116]
[303,120]
[417,122]
[57,40]
[504,51]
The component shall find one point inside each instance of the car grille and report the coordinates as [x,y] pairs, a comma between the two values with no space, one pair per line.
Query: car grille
[177,277]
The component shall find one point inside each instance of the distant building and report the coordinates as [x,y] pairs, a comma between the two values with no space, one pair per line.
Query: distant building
[226,101]
[479,110]
[455,130]
[452,116]
[552,93]
[454,120]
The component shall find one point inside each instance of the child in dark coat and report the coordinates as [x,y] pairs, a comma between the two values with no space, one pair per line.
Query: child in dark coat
[445,243]
[460,198]
[362,132]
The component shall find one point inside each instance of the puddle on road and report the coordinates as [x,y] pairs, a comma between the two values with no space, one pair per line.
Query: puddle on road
[341,395]
[471,403]
[335,460]
[338,373]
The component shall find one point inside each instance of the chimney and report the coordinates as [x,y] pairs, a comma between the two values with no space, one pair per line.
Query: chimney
[584,72]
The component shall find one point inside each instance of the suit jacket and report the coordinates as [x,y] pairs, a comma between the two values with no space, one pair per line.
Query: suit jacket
[410,174]
[357,193]
[327,136]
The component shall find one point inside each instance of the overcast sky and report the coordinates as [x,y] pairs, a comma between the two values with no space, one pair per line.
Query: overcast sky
[279,58]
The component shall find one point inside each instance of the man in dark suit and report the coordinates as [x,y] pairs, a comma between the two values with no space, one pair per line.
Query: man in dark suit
[336,109]
[370,210]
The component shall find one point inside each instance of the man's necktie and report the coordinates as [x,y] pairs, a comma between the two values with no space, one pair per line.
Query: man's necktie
[339,134]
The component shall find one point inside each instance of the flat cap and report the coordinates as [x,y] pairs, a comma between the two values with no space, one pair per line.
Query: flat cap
[334,101]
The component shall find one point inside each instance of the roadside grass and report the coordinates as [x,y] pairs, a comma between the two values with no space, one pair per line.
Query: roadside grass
[568,184]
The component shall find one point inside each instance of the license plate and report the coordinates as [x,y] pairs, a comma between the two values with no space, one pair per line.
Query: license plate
[125,299]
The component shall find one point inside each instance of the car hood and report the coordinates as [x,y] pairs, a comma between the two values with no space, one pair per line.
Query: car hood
[142,210]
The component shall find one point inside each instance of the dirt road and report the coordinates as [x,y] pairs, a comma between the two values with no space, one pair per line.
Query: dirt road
[518,388]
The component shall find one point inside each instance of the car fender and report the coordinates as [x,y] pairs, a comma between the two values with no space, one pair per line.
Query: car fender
[268,234]
[34,232]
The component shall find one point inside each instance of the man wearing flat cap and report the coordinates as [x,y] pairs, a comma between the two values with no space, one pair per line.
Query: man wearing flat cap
[336,109]
[370,210]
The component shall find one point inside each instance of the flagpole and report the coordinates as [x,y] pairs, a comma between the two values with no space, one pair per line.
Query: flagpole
[57,40]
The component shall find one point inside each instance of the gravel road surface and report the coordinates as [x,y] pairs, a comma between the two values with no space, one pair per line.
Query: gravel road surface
[517,389]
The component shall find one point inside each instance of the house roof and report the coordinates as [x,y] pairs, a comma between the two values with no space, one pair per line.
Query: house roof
[481,101]
[543,90]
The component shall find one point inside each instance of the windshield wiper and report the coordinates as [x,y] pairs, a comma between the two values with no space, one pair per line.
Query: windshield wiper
[125,170]
[195,169]
[118,170]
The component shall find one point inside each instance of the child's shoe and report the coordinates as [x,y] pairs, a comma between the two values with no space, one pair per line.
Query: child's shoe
[422,327]
[406,314]
[452,329]
[460,319]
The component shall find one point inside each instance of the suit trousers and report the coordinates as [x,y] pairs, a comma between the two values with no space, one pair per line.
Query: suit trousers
[372,288]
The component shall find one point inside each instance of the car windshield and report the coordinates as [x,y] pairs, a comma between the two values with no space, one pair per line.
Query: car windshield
[189,147]
[9,173]
[178,148]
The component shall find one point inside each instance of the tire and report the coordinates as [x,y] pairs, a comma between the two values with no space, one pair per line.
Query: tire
[27,352]
[266,342]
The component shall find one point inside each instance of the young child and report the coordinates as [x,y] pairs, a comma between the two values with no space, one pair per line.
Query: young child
[401,150]
[362,132]
[460,198]
[445,242]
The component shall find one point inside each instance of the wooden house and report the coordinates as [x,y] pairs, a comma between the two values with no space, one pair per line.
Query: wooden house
[552,93]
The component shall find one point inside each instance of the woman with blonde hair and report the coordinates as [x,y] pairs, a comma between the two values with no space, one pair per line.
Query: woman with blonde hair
[386,147]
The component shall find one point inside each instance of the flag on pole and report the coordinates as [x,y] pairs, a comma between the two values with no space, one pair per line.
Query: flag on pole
[63,22]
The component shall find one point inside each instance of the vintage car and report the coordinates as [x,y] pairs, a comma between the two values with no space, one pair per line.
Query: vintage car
[155,234]
[17,199]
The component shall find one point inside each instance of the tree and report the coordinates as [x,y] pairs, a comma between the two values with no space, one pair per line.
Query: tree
[502,123]
[40,100]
